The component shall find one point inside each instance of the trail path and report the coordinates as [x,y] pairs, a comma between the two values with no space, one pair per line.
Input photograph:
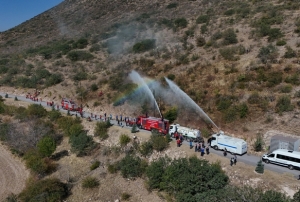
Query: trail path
[13,174]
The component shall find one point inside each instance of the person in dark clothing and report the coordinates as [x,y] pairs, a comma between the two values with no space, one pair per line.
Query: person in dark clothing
[181,138]
[231,161]
[234,159]
[202,151]
[225,152]
[191,144]
[207,150]
[196,147]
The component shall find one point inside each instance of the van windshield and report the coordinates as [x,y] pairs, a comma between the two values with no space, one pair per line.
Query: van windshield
[271,155]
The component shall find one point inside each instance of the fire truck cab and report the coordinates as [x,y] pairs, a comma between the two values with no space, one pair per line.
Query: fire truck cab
[153,123]
[68,104]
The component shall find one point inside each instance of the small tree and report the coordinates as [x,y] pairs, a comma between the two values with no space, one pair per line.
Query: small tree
[259,143]
[124,140]
[260,167]
[90,182]
[16,99]
[134,128]
[46,146]
[296,197]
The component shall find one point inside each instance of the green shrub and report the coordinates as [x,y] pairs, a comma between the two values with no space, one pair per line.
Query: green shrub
[274,78]
[171,114]
[180,22]
[229,37]
[134,128]
[54,79]
[259,143]
[283,104]
[289,53]
[297,94]
[274,33]
[65,123]
[280,43]
[79,56]
[243,110]
[112,168]
[125,196]
[293,79]
[171,76]
[159,142]
[202,19]
[260,167]
[229,12]
[172,5]
[145,45]
[254,98]
[81,144]
[101,130]
[80,43]
[36,110]
[203,29]
[94,87]
[132,166]
[37,164]
[267,53]
[95,165]
[46,146]
[286,89]
[49,189]
[230,114]
[54,115]
[200,41]
[146,148]
[124,140]
[79,76]
[90,182]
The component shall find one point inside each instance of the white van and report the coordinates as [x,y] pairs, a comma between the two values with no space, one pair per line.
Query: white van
[283,157]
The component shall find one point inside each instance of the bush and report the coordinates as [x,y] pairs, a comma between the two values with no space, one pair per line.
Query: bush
[274,78]
[46,146]
[267,53]
[125,196]
[180,22]
[172,5]
[80,43]
[259,143]
[94,87]
[124,140]
[79,76]
[284,104]
[280,43]
[229,37]
[202,19]
[54,115]
[286,89]
[36,110]
[90,182]
[37,164]
[81,144]
[101,130]
[260,167]
[95,165]
[159,142]
[146,148]
[132,166]
[229,12]
[293,79]
[50,189]
[65,123]
[134,128]
[200,41]
[290,53]
[54,79]
[79,56]
[171,114]
[145,45]
[112,168]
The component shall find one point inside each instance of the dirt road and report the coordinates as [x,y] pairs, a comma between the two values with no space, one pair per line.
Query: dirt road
[13,174]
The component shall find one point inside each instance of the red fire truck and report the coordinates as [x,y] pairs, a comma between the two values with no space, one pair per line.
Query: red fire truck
[153,123]
[68,104]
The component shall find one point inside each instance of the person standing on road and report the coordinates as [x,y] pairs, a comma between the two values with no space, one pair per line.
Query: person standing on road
[234,159]
[231,161]
[202,151]
[207,150]
[178,143]
[191,144]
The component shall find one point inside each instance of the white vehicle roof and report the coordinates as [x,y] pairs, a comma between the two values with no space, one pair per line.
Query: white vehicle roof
[287,152]
[228,138]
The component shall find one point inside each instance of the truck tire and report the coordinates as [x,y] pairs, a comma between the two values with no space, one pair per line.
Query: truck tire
[267,161]
[291,167]
[216,147]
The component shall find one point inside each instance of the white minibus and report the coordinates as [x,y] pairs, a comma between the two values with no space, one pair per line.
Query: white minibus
[283,157]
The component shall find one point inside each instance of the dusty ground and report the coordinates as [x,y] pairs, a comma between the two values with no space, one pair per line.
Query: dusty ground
[13,173]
